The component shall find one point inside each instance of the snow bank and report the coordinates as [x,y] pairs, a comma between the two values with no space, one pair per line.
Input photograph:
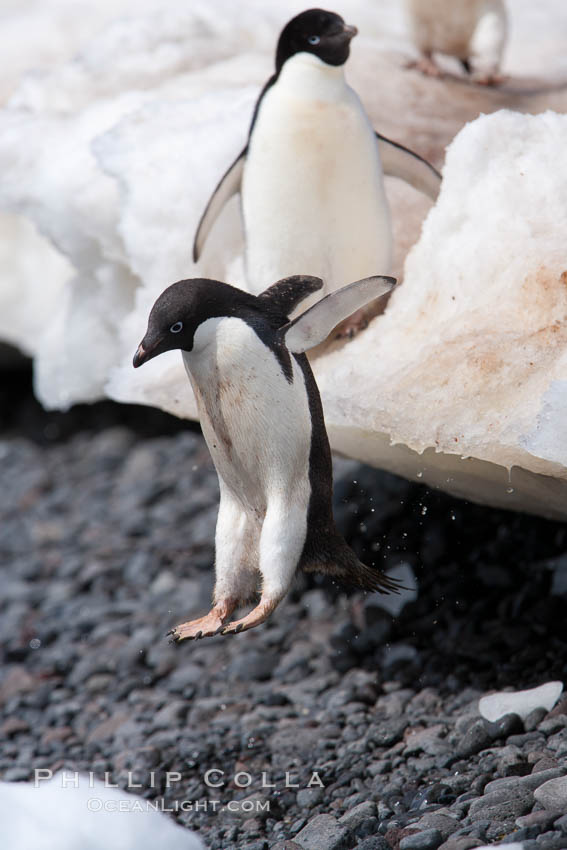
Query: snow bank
[470,360]
[70,811]
[106,162]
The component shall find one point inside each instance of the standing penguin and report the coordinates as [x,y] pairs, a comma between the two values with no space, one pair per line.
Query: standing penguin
[262,418]
[311,174]
[472,30]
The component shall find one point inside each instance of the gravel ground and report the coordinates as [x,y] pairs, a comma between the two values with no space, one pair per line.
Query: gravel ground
[107,518]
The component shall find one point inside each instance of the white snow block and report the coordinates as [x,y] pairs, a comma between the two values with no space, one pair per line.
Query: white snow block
[495,706]
[462,383]
[69,811]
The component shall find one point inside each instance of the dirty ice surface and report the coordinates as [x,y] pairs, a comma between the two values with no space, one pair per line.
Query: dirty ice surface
[112,140]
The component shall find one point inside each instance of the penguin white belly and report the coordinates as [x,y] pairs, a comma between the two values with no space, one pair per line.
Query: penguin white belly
[313,198]
[256,424]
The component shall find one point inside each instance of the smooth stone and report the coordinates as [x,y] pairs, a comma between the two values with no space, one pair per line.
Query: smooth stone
[309,797]
[495,706]
[429,839]
[514,846]
[353,818]
[495,798]
[531,782]
[461,842]
[373,842]
[476,738]
[534,718]
[506,810]
[323,833]
[445,824]
[553,794]
[540,818]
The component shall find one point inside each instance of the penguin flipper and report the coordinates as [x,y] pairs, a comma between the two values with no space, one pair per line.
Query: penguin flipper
[287,293]
[399,161]
[228,185]
[315,325]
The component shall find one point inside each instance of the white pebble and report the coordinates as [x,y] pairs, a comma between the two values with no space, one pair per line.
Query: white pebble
[495,706]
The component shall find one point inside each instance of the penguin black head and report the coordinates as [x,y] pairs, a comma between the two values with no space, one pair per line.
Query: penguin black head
[316,31]
[185,305]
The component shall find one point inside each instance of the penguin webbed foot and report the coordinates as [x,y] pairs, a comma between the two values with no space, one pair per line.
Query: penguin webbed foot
[208,626]
[254,618]
[488,79]
[426,65]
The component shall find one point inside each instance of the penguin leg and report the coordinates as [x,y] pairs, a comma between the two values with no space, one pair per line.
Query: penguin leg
[427,65]
[353,325]
[281,544]
[236,546]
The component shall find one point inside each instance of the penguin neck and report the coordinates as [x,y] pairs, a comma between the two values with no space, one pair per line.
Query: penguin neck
[306,76]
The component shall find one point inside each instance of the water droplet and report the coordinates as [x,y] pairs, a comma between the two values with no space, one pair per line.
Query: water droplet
[35,643]
[509,489]
[419,475]
[423,510]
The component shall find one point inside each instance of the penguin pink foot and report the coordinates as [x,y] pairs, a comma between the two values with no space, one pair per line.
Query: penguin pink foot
[206,626]
[353,325]
[427,66]
[257,615]
[489,79]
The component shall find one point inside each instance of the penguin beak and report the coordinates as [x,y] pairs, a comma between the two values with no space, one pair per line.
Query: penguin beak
[349,31]
[142,355]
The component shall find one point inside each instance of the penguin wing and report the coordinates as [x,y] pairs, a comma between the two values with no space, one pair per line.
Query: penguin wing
[228,185]
[315,325]
[398,161]
[287,293]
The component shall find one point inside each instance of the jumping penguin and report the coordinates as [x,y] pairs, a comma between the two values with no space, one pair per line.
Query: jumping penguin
[474,31]
[262,419]
[311,174]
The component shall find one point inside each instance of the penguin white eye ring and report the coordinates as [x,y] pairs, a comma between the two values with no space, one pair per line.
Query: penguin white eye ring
[176,328]
[262,419]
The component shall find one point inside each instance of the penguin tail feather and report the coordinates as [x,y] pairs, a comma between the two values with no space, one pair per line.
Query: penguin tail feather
[339,561]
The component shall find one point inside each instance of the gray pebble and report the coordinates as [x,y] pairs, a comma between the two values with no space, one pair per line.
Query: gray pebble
[430,839]
[475,739]
[353,818]
[552,794]
[307,798]
[323,833]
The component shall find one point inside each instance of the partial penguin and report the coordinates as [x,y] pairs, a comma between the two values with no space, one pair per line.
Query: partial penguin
[262,418]
[311,174]
[474,31]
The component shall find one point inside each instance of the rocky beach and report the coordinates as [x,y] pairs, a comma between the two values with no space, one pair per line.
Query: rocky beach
[346,721]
